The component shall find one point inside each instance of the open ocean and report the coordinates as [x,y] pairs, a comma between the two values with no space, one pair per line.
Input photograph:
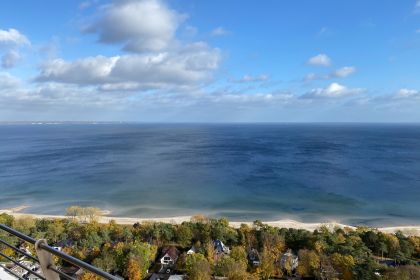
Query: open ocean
[354,173]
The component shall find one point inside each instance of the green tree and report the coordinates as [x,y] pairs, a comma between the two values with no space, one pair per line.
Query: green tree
[106,261]
[198,268]
[6,219]
[184,235]
[141,253]
[55,231]
[238,253]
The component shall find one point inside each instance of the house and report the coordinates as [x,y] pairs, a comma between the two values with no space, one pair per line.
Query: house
[220,248]
[191,251]
[289,257]
[169,255]
[254,257]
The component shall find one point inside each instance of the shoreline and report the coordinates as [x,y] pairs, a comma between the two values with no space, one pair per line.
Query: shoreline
[284,223]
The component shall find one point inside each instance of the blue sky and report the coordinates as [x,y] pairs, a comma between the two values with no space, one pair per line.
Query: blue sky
[210,61]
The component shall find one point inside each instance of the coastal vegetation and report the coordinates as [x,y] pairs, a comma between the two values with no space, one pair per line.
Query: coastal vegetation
[134,251]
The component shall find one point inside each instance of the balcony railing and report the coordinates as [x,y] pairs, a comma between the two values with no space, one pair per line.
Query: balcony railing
[43,260]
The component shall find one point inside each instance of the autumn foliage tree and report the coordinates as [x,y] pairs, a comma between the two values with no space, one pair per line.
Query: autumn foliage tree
[133,271]
[130,250]
[308,265]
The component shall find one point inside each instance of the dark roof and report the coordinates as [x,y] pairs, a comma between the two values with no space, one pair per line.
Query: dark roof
[253,255]
[217,242]
[218,245]
[171,251]
[388,262]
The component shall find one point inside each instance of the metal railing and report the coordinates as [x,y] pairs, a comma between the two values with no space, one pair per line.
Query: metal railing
[44,257]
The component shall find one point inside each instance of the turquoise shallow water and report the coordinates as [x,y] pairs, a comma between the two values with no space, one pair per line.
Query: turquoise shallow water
[358,174]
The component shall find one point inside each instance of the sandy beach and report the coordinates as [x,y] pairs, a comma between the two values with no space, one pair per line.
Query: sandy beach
[18,212]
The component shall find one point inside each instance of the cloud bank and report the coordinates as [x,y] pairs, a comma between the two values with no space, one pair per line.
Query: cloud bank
[154,58]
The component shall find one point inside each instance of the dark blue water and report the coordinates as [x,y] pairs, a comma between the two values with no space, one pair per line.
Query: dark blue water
[358,174]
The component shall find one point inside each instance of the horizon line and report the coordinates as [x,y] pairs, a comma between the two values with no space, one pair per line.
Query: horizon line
[52,122]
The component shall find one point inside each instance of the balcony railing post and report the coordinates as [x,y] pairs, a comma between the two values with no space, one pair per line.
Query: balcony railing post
[46,261]
[45,256]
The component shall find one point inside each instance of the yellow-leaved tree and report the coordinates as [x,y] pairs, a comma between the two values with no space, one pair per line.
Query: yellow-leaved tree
[133,271]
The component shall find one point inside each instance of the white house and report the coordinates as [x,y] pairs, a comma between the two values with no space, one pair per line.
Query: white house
[191,251]
[169,255]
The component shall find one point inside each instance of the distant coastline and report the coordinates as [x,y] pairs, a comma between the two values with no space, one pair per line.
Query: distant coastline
[59,122]
[302,123]
[18,212]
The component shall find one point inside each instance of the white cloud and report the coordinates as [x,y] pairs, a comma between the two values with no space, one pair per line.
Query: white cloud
[417,7]
[320,60]
[147,29]
[53,101]
[10,42]
[418,31]
[191,64]
[142,25]
[12,37]
[344,72]
[10,59]
[219,31]
[8,81]
[407,93]
[334,90]
[91,70]
[250,79]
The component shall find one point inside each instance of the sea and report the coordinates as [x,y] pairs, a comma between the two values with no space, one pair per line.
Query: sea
[358,174]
